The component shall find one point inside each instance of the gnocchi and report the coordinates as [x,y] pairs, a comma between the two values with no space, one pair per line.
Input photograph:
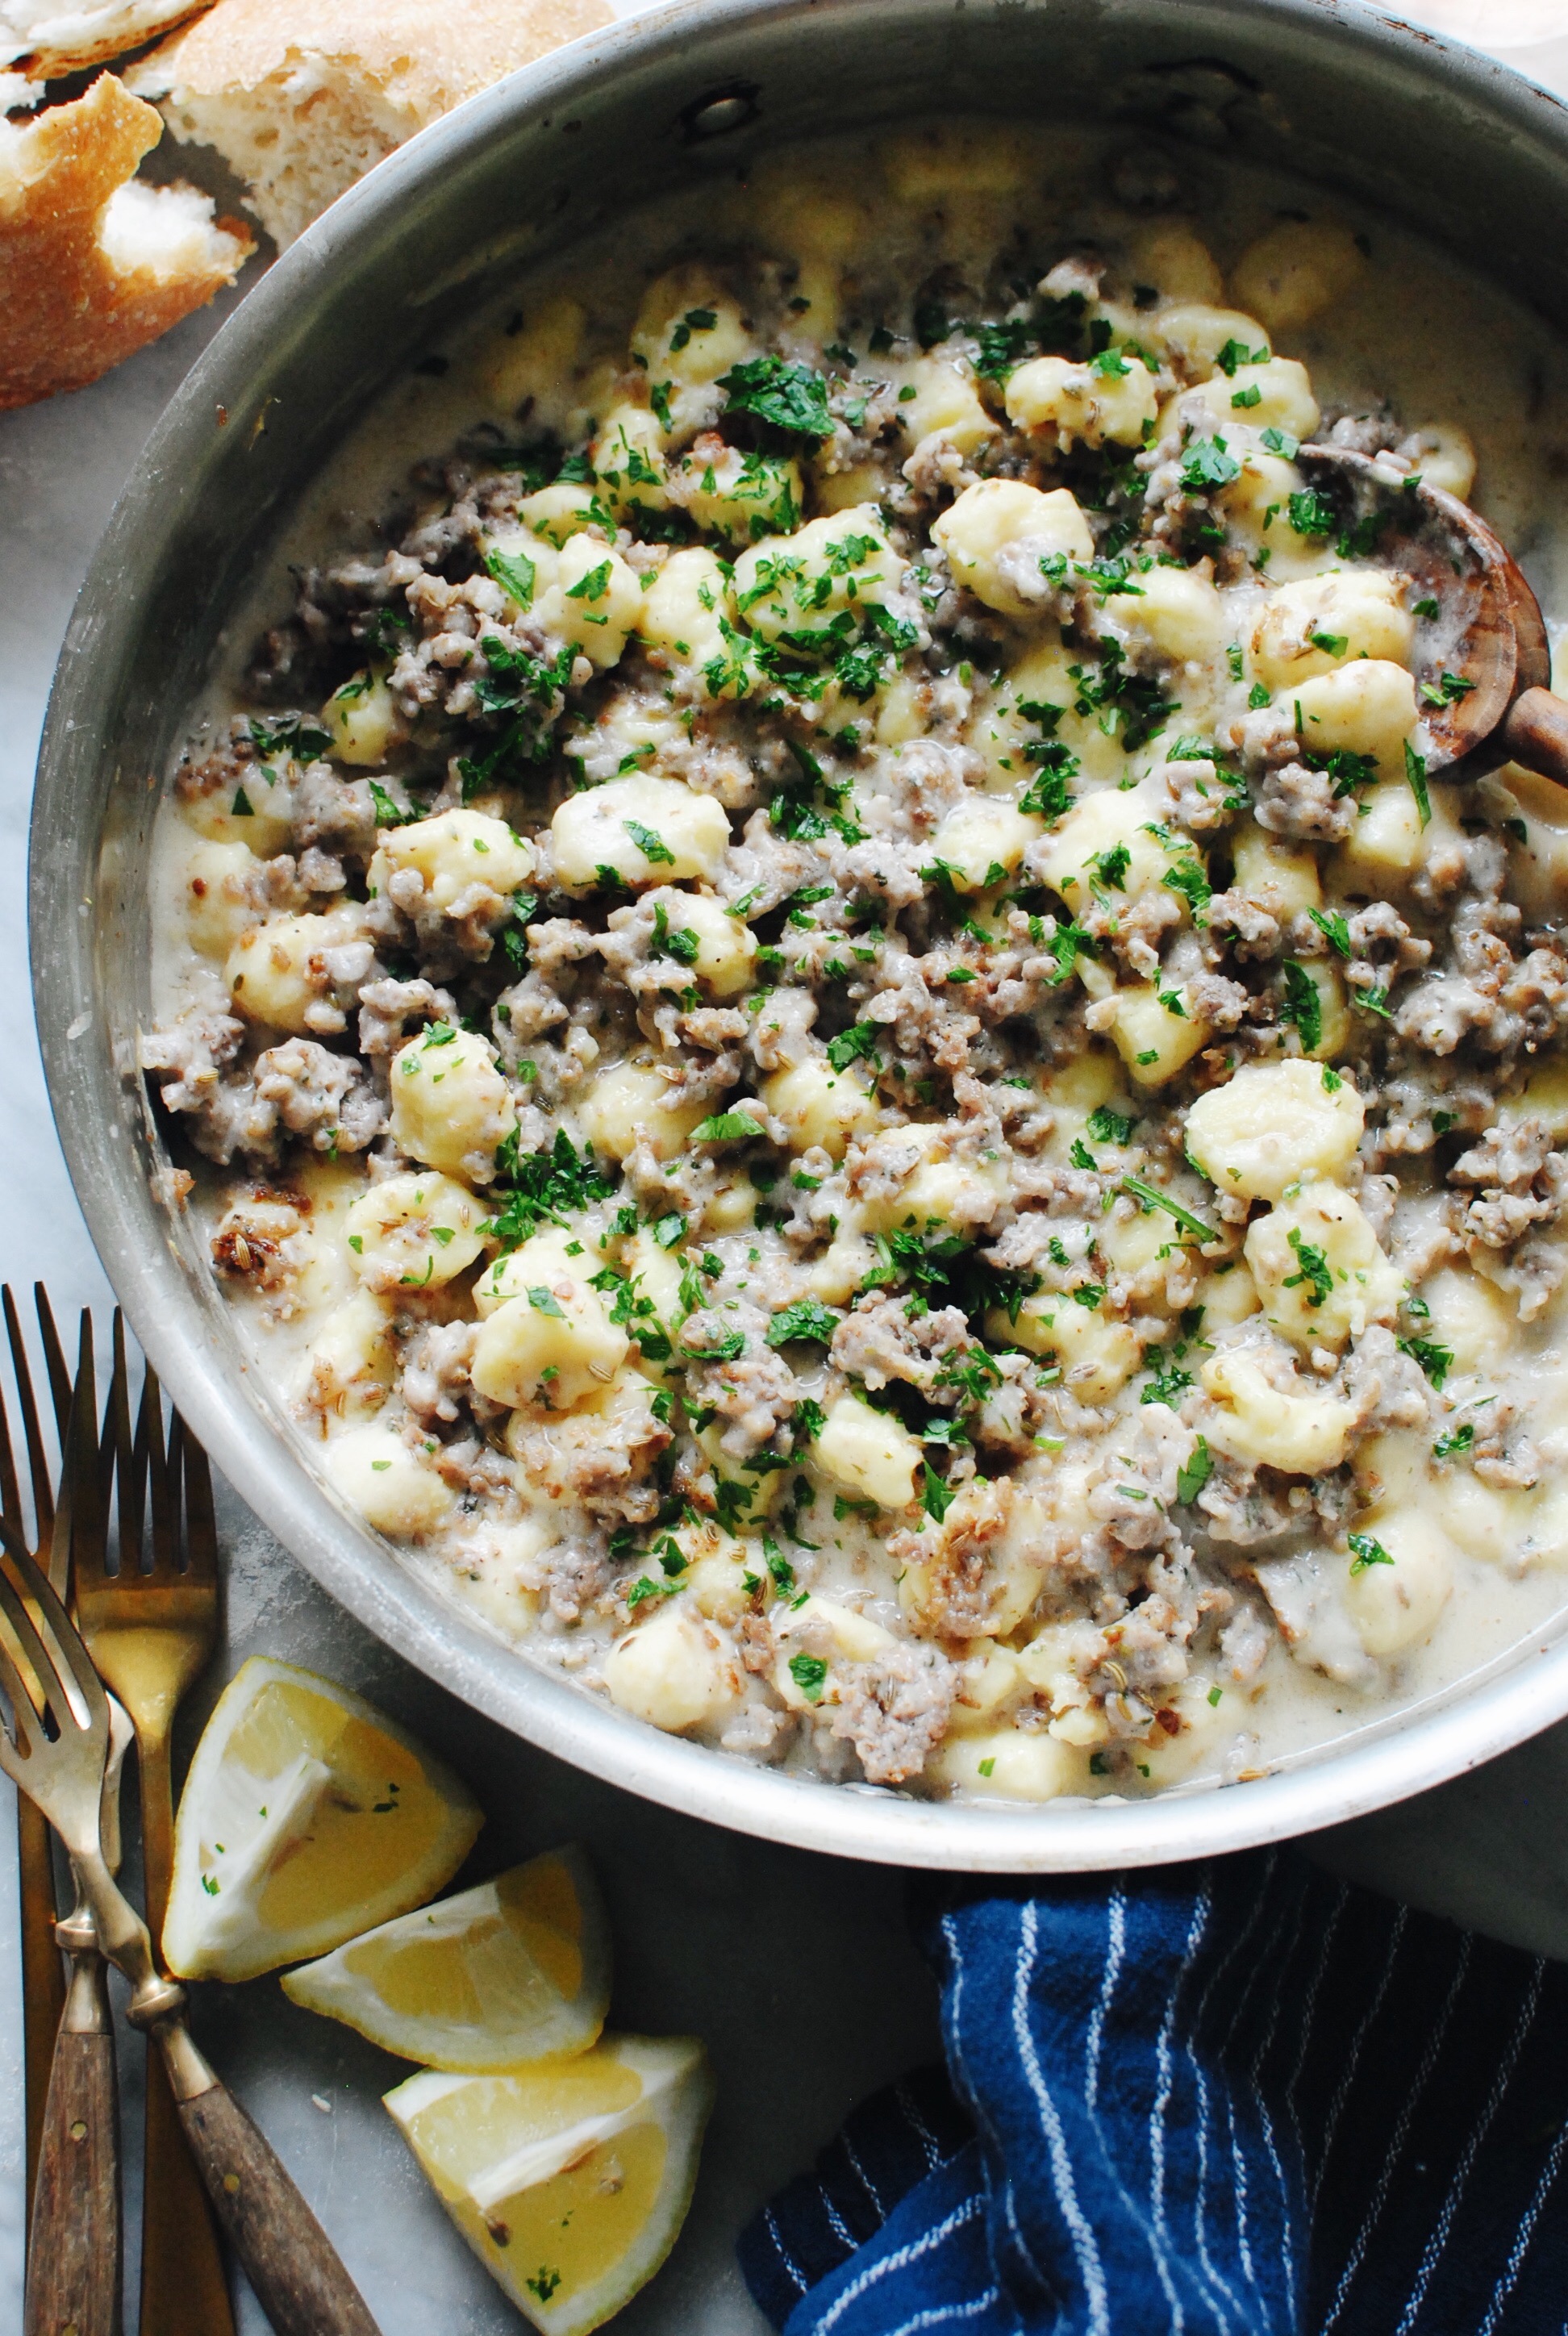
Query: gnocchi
[832,1020]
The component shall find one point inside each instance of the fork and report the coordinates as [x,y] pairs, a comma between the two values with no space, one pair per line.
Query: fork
[74,2220]
[56,1750]
[151,1632]
[42,1974]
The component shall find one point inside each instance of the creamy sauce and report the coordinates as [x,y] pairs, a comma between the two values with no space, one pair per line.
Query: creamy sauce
[1378,320]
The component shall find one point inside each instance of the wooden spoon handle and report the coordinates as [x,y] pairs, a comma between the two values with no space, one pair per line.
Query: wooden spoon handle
[73,2252]
[298,2280]
[1537,734]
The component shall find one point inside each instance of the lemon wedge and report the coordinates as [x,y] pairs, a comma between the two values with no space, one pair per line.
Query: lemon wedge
[570,2181]
[517,1970]
[306,1817]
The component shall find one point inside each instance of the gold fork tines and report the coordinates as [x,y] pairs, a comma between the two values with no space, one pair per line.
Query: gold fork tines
[299,2282]
[151,1630]
[42,1971]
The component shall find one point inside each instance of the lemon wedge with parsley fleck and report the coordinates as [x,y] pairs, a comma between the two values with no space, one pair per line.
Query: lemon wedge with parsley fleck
[517,1970]
[308,1817]
[570,2180]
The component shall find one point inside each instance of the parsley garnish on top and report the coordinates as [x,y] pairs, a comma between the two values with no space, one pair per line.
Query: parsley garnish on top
[789,397]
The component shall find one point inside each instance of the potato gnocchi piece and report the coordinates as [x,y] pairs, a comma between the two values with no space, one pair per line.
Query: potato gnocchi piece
[594,602]
[683,612]
[361,721]
[1317,1267]
[1113,397]
[1112,844]
[1401,1576]
[1198,333]
[819,1105]
[870,1455]
[451,854]
[1365,708]
[1273,1124]
[1387,843]
[1446,457]
[1180,611]
[1007,1766]
[392,1487]
[1257,506]
[545,1335]
[554,514]
[414,1230]
[641,830]
[627,458]
[1157,1031]
[531,365]
[998,532]
[1280,877]
[1295,271]
[983,840]
[451,1108]
[1175,261]
[717,949]
[945,404]
[285,972]
[221,898]
[1320,623]
[671,1670]
[1266,1426]
[688,330]
[1097,1353]
[352,1366]
[1275,395]
[742,496]
[632,1100]
[850,1638]
[811,583]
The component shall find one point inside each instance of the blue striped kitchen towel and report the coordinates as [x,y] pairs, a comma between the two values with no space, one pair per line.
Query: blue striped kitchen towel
[1231,2099]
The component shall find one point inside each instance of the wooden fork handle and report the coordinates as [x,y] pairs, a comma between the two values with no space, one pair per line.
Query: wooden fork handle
[74,2245]
[43,1973]
[1535,734]
[298,2280]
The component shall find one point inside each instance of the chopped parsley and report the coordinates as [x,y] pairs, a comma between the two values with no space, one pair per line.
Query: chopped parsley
[1312,1274]
[1151,1197]
[1435,1360]
[789,397]
[1312,514]
[810,1674]
[727,1127]
[515,573]
[650,843]
[937,1496]
[1108,1127]
[1303,1004]
[1208,464]
[857,1044]
[1415,773]
[806,1318]
[1332,924]
[1191,1478]
[1365,1552]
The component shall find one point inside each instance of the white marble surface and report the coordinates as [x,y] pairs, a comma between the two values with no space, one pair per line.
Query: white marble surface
[796,1969]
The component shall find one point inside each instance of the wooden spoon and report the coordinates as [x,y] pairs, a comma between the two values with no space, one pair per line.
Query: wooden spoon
[1489,630]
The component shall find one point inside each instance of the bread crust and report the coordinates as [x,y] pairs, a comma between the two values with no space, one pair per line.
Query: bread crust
[68,311]
[88,35]
[422,61]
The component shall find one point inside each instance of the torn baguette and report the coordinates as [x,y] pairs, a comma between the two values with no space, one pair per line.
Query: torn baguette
[48,41]
[93,263]
[302,97]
